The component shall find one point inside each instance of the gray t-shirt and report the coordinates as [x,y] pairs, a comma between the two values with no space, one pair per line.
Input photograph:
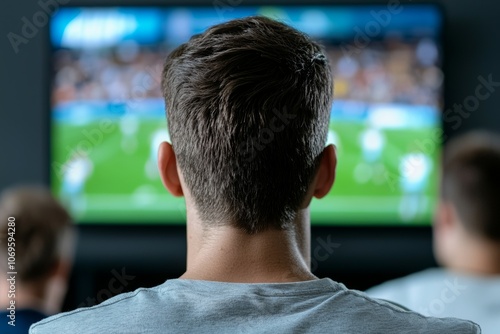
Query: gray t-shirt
[190,306]
[443,293]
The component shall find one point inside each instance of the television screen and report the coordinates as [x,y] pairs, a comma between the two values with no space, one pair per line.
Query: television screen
[108,115]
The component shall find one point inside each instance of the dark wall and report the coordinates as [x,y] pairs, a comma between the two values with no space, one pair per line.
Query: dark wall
[365,257]
[472,49]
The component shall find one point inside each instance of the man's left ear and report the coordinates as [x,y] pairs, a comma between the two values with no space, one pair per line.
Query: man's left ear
[167,165]
[325,176]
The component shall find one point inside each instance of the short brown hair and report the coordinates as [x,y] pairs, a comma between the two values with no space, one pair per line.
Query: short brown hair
[471,182]
[248,105]
[41,224]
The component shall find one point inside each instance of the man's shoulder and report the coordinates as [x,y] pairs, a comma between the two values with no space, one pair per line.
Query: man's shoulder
[384,316]
[332,305]
[103,318]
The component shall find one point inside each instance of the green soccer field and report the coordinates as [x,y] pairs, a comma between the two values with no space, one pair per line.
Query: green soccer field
[370,193]
[122,185]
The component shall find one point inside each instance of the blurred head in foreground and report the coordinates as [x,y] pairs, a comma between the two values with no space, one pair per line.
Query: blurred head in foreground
[41,235]
[467,222]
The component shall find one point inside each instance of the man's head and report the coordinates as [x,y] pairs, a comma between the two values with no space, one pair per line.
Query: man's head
[248,104]
[40,233]
[470,189]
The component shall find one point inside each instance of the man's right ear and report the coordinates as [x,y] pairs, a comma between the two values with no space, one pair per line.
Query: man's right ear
[325,176]
[167,166]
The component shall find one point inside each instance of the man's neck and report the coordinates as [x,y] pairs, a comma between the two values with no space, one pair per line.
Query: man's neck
[227,254]
[476,257]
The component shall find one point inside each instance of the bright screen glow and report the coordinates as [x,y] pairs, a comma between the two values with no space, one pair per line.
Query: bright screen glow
[108,114]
